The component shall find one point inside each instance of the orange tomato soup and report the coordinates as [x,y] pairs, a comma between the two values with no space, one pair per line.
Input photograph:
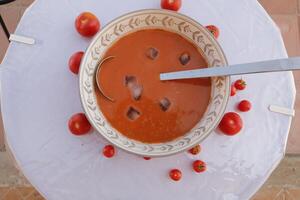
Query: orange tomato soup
[147,109]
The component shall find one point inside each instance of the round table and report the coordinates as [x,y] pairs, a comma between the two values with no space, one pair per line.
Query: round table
[39,94]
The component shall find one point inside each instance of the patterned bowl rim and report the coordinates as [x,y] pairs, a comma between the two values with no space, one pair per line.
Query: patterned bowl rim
[164,152]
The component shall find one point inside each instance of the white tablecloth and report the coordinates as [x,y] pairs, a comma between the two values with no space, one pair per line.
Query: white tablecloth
[39,94]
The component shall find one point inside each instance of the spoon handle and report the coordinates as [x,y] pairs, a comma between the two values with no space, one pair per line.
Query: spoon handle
[287,64]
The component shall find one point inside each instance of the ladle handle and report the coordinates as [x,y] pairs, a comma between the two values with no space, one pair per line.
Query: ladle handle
[287,64]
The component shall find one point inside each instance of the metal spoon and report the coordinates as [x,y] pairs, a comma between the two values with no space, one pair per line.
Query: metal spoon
[98,70]
[287,64]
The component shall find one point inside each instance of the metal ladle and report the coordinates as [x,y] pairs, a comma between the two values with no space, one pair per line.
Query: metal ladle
[286,64]
[98,70]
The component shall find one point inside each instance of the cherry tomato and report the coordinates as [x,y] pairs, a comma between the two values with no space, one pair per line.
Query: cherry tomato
[171,4]
[147,158]
[214,30]
[240,84]
[199,166]
[108,151]
[74,62]
[175,174]
[233,90]
[195,150]
[244,106]
[87,24]
[79,125]
[231,123]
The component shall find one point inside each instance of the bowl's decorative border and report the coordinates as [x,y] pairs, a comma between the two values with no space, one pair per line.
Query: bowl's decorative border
[154,19]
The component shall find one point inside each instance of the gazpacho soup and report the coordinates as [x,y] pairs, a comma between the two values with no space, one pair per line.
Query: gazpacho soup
[144,108]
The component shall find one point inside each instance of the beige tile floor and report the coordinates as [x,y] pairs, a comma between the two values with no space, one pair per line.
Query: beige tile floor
[284,184]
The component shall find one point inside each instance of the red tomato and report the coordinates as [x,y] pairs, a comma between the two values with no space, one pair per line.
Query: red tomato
[231,123]
[147,158]
[108,151]
[244,106]
[240,84]
[171,4]
[199,166]
[74,62]
[87,24]
[79,125]
[233,90]
[175,174]
[195,150]
[214,30]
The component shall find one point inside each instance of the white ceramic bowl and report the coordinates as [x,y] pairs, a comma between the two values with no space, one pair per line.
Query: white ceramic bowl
[154,19]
